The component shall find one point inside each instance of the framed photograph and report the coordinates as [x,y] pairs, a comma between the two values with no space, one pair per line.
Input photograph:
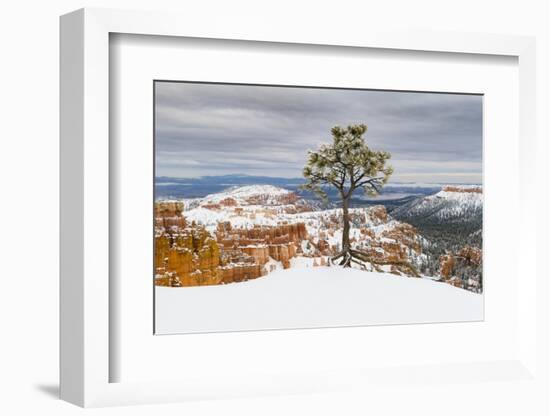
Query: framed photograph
[272,199]
[321,201]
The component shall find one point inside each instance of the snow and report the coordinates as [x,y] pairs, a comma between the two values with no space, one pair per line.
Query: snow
[444,205]
[303,262]
[269,213]
[273,265]
[307,297]
[462,197]
[251,215]
[242,193]
[210,218]
[317,222]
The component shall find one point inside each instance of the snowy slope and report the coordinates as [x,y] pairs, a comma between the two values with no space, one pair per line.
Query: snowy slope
[313,297]
[443,206]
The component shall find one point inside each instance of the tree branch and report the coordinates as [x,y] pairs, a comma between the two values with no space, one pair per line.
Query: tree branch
[371,181]
[317,178]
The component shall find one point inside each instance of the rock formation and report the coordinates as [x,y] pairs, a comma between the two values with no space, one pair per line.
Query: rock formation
[188,255]
[247,232]
[462,269]
[280,242]
[169,214]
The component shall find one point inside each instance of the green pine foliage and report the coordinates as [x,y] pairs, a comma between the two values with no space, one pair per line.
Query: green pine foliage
[347,164]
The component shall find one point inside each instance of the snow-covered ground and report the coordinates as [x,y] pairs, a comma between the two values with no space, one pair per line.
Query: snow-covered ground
[313,297]
[443,206]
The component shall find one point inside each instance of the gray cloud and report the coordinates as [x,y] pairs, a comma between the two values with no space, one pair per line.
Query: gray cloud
[211,129]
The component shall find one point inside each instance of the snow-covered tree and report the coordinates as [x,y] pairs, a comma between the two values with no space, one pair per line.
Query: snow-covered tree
[347,164]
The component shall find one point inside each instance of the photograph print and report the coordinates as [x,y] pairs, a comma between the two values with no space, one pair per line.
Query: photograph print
[285,207]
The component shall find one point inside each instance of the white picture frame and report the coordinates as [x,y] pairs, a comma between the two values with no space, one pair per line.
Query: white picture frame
[86,356]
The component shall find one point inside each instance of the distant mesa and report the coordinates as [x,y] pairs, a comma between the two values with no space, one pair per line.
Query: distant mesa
[253,195]
[465,189]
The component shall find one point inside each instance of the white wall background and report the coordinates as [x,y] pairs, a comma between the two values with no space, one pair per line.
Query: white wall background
[29,207]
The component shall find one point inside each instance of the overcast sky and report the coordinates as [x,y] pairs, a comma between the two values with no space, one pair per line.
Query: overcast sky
[216,129]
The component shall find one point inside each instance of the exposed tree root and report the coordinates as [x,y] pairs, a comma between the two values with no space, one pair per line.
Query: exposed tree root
[347,257]
[361,259]
[337,256]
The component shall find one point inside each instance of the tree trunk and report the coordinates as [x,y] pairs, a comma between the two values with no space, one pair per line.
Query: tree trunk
[346,246]
[347,254]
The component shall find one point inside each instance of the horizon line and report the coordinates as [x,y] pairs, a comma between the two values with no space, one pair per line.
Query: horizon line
[299,178]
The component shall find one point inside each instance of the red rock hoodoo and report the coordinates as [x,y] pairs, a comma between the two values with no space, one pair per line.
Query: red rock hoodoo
[188,255]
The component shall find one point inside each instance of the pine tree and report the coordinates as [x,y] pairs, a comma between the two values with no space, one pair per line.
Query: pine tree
[347,165]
